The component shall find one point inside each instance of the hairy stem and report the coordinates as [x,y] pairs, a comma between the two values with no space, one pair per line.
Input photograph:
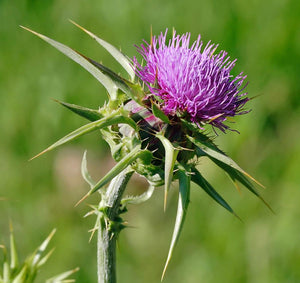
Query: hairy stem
[109,228]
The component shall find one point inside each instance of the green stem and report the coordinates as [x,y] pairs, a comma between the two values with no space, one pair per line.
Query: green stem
[109,228]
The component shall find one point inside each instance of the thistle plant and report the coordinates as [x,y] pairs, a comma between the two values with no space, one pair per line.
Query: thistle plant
[155,122]
[15,272]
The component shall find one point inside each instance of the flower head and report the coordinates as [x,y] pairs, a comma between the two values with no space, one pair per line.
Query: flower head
[192,82]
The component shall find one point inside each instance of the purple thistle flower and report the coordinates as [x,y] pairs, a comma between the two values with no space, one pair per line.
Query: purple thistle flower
[192,83]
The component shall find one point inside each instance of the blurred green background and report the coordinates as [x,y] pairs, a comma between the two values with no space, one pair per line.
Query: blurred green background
[40,195]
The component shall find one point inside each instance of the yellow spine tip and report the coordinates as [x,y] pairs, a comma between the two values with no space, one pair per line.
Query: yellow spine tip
[165,200]
[82,199]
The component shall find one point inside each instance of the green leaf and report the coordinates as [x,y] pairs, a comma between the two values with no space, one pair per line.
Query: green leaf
[33,262]
[212,151]
[236,175]
[78,58]
[137,91]
[84,171]
[44,259]
[132,90]
[36,256]
[61,277]
[198,179]
[101,123]
[14,262]
[22,275]
[118,168]
[183,202]
[170,159]
[118,55]
[159,114]
[114,142]
[138,199]
[90,114]
[6,269]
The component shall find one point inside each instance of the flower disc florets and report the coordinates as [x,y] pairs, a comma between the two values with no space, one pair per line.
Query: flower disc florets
[189,82]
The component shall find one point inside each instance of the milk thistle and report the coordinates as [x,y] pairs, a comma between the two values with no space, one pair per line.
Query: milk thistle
[155,124]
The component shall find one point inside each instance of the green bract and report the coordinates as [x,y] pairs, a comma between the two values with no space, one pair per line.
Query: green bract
[143,139]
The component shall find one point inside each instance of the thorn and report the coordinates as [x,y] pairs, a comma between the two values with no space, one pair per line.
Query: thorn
[183,148]
[237,217]
[237,187]
[34,32]
[93,232]
[267,205]
[39,154]
[164,271]
[256,96]
[94,207]
[73,271]
[56,100]
[76,24]
[83,29]
[254,180]
[89,213]
[82,199]
[93,229]
[130,226]
[111,236]
[51,234]
[25,28]
[92,235]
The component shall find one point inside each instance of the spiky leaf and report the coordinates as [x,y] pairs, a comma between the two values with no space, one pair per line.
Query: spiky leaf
[198,179]
[61,278]
[90,114]
[6,268]
[78,58]
[212,151]
[118,55]
[14,261]
[138,199]
[84,172]
[183,202]
[37,255]
[44,259]
[22,275]
[99,124]
[170,159]
[133,155]
[160,114]
[236,175]
[132,90]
